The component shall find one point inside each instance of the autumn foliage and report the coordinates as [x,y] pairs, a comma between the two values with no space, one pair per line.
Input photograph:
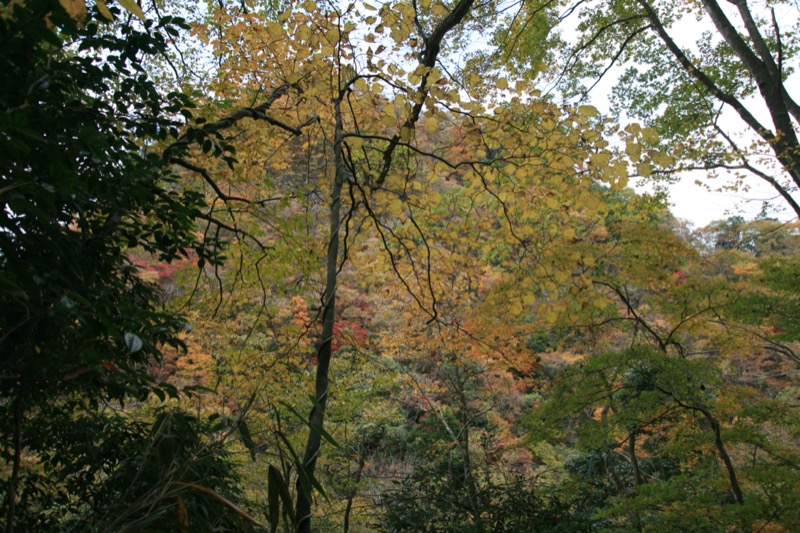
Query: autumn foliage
[358,283]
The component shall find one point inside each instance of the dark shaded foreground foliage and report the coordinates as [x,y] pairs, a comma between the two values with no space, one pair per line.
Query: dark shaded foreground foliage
[78,326]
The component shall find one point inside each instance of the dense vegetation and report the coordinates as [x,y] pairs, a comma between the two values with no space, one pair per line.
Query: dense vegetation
[320,267]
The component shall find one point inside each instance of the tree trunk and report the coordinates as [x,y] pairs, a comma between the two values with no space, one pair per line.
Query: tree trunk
[428,58]
[726,458]
[783,141]
[637,477]
[317,416]
[362,460]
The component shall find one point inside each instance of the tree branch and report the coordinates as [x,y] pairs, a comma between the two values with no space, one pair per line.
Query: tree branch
[255,113]
[700,76]
[427,58]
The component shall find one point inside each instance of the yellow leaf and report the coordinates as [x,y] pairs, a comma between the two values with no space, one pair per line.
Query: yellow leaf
[661,159]
[502,83]
[649,135]
[634,150]
[274,30]
[355,142]
[440,10]
[132,7]
[587,111]
[453,96]
[395,206]
[618,170]
[562,162]
[74,8]
[431,124]
[103,9]
[388,119]
[600,159]
[600,302]
[303,33]
[621,183]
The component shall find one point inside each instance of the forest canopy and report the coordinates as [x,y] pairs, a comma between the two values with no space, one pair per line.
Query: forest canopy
[299,266]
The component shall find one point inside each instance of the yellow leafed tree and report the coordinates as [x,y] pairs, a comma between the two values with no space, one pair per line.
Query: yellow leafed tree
[363,156]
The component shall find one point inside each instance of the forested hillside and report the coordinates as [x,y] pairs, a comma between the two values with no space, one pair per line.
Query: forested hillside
[283,266]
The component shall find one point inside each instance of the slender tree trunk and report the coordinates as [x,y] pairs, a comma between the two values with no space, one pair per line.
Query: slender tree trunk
[719,444]
[637,477]
[726,458]
[460,382]
[362,460]
[428,58]
[317,416]
[637,473]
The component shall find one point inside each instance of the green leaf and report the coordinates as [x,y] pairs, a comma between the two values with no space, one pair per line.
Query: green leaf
[133,342]
[314,427]
[277,491]
[307,481]
[246,438]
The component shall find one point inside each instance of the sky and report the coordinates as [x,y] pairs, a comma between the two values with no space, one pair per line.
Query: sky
[700,206]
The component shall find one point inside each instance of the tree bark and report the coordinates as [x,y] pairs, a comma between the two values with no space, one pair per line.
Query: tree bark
[719,444]
[723,454]
[637,477]
[317,416]
[343,175]
[362,460]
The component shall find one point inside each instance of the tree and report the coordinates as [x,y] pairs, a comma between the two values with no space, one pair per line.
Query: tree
[761,238]
[392,158]
[688,91]
[79,327]
[664,407]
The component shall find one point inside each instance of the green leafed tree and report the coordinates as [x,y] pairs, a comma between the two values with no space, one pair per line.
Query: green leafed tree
[79,189]
[713,78]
